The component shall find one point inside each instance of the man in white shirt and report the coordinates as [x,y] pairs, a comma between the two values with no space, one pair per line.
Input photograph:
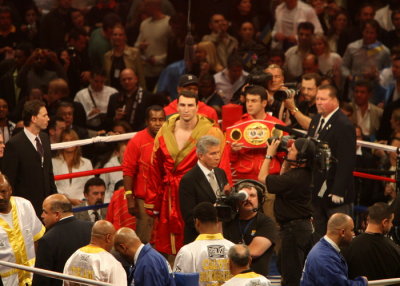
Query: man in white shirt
[95,99]
[20,229]
[94,261]
[208,254]
[289,15]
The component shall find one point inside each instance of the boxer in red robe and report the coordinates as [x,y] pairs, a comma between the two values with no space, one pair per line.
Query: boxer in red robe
[175,154]
[136,167]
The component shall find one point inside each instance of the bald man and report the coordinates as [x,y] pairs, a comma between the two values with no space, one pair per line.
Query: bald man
[239,266]
[325,265]
[94,261]
[20,229]
[151,268]
[57,245]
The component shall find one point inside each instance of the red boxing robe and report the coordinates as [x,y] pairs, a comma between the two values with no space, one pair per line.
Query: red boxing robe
[246,163]
[204,109]
[169,164]
[136,162]
[117,211]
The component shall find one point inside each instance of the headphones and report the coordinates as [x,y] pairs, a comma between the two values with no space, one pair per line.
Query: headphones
[302,154]
[260,188]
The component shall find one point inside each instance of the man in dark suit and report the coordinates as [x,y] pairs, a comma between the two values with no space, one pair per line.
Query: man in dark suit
[203,183]
[27,157]
[65,234]
[333,189]
[94,192]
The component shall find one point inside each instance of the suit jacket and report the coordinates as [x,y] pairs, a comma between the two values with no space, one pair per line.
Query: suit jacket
[195,188]
[58,244]
[339,133]
[84,215]
[23,167]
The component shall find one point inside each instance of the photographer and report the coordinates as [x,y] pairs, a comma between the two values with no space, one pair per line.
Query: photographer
[252,228]
[293,208]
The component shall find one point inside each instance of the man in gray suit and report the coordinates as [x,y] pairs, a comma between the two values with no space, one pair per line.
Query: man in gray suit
[94,192]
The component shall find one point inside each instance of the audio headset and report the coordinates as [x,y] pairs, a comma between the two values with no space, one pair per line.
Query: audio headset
[260,188]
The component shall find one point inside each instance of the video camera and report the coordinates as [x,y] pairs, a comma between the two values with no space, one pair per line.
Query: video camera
[227,204]
[323,156]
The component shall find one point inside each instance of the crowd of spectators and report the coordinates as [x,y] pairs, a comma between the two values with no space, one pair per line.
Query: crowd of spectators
[77,69]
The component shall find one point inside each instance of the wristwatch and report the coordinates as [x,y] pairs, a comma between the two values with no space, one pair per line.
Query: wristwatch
[268,157]
[293,111]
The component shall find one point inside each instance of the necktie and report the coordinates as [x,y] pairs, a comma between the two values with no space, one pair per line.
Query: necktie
[321,125]
[213,182]
[96,216]
[39,147]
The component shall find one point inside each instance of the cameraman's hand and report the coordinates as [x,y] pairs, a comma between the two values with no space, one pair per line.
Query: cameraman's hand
[289,103]
[336,199]
[236,146]
[273,147]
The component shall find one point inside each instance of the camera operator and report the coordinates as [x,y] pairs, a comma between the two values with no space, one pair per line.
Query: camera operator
[252,228]
[293,207]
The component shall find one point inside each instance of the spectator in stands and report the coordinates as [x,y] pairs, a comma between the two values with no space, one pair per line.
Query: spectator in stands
[95,100]
[329,63]
[135,167]
[30,28]
[153,41]
[252,51]
[276,57]
[206,53]
[27,157]
[78,65]
[150,267]
[310,64]
[23,234]
[78,21]
[372,254]
[100,40]
[110,179]
[295,55]
[56,127]
[340,22]
[273,85]
[66,111]
[239,266]
[121,57]
[225,44]
[6,126]
[383,15]
[243,11]
[230,80]
[8,70]
[94,192]
[130,103]
[208,93]
[260,235]
[70,160]
[176,41]
[289,15]
[9,35]
[64,235]
[95,260]
[392,38]
[365,53]
[325,265]
[366,114]
[39,69]
[209,248]
[55,25]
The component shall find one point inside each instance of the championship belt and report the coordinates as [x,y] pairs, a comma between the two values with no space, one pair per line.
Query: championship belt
[252,133]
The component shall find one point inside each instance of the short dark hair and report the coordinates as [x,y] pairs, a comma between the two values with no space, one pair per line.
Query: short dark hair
[257,90]
[316,77]
[371,22]
[379,211]
[95,181]
[364,83]
[97,71]
[205,212]
[332,90]
[31,108]
[75,34]
[240,259]
[306,26]
[53,121]
[110,20]
[153,108]
[234,60]
[188,94]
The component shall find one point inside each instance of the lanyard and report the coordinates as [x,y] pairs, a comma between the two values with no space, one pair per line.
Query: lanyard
[242,233]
